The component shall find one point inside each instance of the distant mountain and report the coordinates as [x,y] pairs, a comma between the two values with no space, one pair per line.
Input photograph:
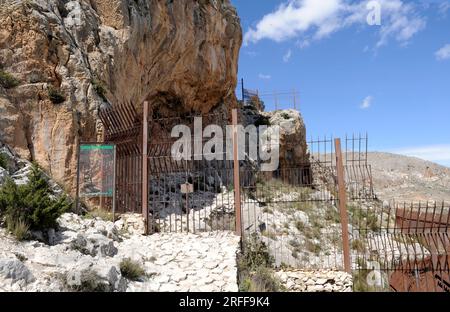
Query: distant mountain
[408,178]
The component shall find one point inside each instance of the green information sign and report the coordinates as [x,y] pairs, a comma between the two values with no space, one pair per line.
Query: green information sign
[96,168]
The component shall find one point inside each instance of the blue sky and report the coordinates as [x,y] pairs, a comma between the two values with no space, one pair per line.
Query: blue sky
[390,80]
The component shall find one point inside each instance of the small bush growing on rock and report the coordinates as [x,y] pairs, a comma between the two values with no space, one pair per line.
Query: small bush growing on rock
[3,161]
[89,281]
[19,229]
[7,80]
[56,96]
[285,115]
[31,205]
[313,247]
[131,269]
[99,88]
[255,267]
[262,280]
[255,254]
[99,213]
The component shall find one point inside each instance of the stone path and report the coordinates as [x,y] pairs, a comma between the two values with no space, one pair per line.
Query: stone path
[172,262]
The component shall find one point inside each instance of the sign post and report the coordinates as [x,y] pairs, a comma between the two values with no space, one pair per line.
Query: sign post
[96,173]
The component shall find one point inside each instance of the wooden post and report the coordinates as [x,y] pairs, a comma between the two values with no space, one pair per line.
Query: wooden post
[237,183]
[145,167]
[343,205]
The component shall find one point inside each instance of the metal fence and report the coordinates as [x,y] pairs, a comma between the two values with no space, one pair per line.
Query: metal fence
[295,211]
[299,211]
[400,246]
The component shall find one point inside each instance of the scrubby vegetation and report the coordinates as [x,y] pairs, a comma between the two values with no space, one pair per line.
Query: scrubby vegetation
[30,206]
[88,281]
[99,213]
[285,115]
[99,88]
[3,161]
[131,270]
[255,266]
[7,80]
[56,96]
[364,218]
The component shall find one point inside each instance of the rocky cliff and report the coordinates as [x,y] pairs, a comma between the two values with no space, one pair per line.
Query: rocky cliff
[68,58]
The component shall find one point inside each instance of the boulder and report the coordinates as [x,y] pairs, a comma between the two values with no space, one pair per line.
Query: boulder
[15,270]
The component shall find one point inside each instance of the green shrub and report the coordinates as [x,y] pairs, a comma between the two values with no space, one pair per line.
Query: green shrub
[3,161]
[255,268]
[31,204]
[255,254]
[99,88]
[285,115]
[7,80]
[131,269]
[56,96]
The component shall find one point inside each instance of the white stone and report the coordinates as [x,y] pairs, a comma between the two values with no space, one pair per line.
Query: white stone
[15,270]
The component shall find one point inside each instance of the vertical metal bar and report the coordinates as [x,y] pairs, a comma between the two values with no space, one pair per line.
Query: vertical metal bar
[237,186]
[343,205]
[114,185]
[243,97]
[77,198]
[102,172]
[145,167]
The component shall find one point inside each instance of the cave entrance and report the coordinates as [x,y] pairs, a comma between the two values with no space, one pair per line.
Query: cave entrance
[176,195]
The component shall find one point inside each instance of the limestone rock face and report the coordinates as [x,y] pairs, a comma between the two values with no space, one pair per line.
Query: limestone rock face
[293,146]
[179,55]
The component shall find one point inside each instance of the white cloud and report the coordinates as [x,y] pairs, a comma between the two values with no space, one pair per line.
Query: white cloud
[435,153]
[317,19]
[287,56]
[265,77]
[367,102]
[443,53]
[444,7]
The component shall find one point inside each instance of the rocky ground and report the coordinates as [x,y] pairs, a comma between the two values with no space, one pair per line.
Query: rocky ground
[316,281]
[87,251]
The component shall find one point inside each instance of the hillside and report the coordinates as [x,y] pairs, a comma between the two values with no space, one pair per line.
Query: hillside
[408,179]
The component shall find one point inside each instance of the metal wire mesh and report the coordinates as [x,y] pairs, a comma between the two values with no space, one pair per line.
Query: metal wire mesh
[400,246]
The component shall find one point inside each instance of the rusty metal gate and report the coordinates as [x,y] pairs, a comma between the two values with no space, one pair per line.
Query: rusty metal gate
[188,195]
